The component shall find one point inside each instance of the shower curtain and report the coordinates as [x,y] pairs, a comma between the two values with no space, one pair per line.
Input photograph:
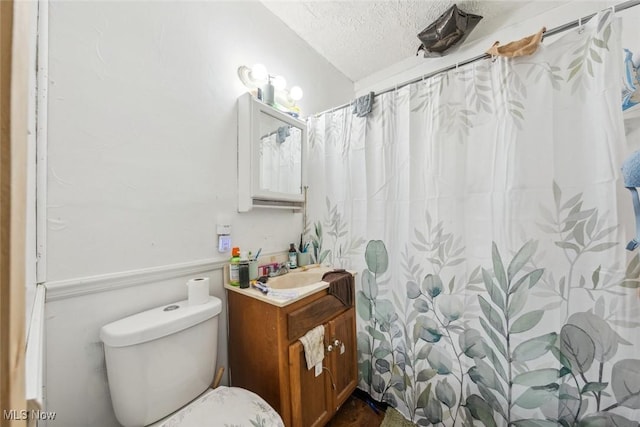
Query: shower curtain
[484,214]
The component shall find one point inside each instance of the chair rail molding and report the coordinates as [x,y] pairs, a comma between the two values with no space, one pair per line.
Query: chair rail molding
[63,289]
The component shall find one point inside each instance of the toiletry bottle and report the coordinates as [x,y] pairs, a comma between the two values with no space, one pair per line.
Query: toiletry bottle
[234,267]
[243,271]
[293,256]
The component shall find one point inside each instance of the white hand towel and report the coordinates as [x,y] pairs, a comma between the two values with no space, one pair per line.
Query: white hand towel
[313,343]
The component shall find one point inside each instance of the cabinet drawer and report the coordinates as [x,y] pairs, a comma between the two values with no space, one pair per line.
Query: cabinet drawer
[300,321]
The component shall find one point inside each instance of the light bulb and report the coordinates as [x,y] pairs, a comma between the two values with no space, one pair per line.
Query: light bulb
[278,82]
[259,73]
[295,93]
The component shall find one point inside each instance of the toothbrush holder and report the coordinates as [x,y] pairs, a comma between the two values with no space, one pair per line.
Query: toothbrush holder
[304,258]
[253,270]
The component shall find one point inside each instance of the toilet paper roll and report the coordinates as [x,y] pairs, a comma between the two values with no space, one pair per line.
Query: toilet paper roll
[198,290]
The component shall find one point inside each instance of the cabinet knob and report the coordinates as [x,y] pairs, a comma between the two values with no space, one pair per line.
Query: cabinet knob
[337,343]
[329,348]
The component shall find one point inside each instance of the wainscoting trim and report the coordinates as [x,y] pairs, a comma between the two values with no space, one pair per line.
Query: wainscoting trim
[71,288]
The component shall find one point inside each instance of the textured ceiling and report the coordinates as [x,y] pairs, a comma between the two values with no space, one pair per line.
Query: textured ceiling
[362,37]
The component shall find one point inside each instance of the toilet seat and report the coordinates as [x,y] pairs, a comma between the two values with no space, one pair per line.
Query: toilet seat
[223,406]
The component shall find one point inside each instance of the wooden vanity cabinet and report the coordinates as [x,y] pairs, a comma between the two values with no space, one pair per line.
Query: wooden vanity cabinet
[311,396]
[344,356]
[266,357]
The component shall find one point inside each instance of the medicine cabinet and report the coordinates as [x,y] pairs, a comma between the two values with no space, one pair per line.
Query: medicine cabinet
[271,157]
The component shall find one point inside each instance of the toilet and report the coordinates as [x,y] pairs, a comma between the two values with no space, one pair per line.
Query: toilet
[160,366]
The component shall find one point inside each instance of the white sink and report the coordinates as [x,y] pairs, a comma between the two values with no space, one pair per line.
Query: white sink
[298,277]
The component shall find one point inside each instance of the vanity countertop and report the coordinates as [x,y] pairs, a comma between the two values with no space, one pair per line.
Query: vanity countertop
[301,292]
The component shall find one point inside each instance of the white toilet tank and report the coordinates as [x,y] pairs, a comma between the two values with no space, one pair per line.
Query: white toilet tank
[161,359]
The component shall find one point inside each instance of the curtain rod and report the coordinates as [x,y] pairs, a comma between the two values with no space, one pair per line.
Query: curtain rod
[559,29]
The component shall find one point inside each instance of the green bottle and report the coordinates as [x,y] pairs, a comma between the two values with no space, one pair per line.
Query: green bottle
[234,267]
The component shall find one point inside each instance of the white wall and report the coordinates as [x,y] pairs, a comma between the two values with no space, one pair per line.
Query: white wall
[142,129]
[142,165]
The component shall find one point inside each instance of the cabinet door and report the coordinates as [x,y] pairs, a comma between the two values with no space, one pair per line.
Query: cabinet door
[344,368]
[310,394]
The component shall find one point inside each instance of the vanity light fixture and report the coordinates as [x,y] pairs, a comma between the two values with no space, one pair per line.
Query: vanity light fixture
[254,76]
[270,88]
[295,93]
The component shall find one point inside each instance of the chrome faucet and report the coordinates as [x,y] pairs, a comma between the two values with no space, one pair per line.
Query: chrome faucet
[282,269]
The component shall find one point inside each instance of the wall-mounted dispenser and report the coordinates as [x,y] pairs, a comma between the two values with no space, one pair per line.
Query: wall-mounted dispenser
[224,237]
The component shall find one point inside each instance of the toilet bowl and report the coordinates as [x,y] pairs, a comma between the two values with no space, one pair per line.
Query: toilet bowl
[161,363]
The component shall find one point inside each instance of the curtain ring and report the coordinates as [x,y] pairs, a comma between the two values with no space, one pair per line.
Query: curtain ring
[580,27]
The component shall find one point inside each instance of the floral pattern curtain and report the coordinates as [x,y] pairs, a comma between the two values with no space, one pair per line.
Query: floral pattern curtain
[484,214]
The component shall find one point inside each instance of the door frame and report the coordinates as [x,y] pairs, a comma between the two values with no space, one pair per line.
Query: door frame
[14,48]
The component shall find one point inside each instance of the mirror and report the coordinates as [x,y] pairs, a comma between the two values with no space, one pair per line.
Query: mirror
[280,156]
[271,157]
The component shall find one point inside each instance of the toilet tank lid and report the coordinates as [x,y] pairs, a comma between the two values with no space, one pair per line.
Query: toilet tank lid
[158,322]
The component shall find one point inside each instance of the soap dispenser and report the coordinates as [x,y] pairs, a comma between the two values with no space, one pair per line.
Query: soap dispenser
[293,256]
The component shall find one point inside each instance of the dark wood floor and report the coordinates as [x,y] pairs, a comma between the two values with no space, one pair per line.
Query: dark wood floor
[356,412]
